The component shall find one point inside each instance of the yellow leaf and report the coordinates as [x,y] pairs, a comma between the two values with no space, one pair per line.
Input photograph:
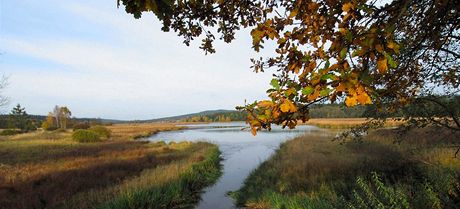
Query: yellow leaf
[276,113]
[288,106]
[347,7]
[254,131]
[350,101]
[363,98]
[265,103]
[340,87]
[393,45]
[382,65]
[293,13]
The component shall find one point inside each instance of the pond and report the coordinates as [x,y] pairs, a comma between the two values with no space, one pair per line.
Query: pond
[241,153]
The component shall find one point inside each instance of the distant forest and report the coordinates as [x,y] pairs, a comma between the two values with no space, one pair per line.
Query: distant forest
[317,111]
[419,109]
[37,120]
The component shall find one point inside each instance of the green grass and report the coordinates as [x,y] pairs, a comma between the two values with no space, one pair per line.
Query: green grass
[315,172]
[181,192]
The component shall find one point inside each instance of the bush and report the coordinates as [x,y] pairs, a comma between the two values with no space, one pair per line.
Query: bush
[101,131]
[60,130]
[83,125]
[85,136]
[9,132]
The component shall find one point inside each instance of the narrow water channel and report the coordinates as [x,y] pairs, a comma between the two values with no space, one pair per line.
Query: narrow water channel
[241,153]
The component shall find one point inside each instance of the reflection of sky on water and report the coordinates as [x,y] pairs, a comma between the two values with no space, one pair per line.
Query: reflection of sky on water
[241,151]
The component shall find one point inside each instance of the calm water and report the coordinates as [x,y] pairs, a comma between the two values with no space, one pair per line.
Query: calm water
[241,153]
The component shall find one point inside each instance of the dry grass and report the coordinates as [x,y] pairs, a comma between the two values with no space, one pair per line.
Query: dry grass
[42,169]
[345,123]
[316,172]
[139,130]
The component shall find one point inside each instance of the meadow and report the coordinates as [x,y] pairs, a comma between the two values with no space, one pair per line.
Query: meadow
[388,169]
[50,170]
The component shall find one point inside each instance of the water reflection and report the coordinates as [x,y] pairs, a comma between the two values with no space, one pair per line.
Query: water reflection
[241,152]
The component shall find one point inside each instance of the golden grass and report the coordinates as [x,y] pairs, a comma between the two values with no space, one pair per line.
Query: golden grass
[138,130]
[157,176]
[344,123]
[41,169]
[312,171]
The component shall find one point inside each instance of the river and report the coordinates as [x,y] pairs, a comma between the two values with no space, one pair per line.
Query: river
[241,153]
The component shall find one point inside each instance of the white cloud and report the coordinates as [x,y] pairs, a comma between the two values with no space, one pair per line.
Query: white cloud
[138,72]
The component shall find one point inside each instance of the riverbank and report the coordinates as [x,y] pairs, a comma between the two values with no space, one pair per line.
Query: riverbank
[129,131]
[50,170]
[315,172]
[345,123]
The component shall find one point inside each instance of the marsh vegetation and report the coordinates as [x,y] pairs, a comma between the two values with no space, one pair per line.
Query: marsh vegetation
[310,171]
[51,170]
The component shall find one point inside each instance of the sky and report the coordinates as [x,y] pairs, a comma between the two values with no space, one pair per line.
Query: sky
[101,62]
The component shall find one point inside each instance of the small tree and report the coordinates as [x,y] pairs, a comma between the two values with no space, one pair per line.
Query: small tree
[61,116]
[49,124]
[20,120]
[64,116]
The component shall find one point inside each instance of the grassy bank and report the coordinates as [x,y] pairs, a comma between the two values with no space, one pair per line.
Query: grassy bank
[344,123]
[140,130]
[315,172]
[50,170]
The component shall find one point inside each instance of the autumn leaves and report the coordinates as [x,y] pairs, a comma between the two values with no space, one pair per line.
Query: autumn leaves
[325,52]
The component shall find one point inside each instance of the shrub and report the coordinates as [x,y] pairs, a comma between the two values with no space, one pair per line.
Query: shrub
[60,130]
[9,132]
[102,131]
[83,125]
[85,136]
[52,128]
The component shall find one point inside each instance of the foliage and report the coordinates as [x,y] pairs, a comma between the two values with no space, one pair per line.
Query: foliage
[9,132]
[49,123]
[81,125]
[377,195]
[18,118]
[46,126]
[85,136]
[359,52]
[441,111]
[336,111]
[102,131]
[62,115]
[217,117]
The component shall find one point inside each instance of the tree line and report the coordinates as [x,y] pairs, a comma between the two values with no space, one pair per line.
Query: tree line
[19,121]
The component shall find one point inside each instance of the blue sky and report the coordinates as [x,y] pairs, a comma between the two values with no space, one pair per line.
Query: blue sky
[101,62]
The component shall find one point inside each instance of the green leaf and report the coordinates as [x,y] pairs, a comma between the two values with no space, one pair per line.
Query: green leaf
[275,84]
[328,76]
[324,92]
[343,53]
[327,64]
[349,36]
[391,62]
[306,58]
[307,90]
[357,53]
